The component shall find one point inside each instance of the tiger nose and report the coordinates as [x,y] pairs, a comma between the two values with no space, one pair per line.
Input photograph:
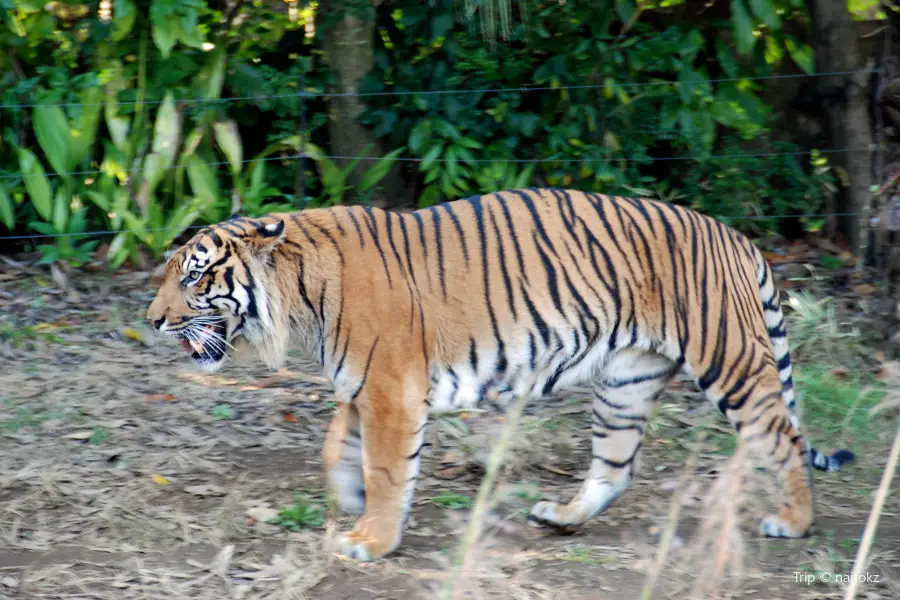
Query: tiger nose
[155,317]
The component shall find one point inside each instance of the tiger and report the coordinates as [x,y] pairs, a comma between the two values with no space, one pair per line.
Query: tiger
[519,293]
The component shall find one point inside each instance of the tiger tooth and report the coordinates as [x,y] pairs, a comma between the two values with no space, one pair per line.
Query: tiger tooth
[198,347]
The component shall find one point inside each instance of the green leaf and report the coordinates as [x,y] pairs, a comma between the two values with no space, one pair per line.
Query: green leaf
[83,140]
[165,33]
[36,184]
[229,140]
[691,45]
[625,10]
[54,137]
[203,180]
[524,178]
[467,142]
[773,51]
[380,170]
[257,173]
[60,209]
[117,125]
[764,10]
[166,132]
[7,210]
[41,227]
[688,84]
[78,223]
[118,250]
[213,74]
[430,196]
[124,16]
[802,54]
[432,155]
[98,199]
[726,59]
[743,27]
[420,136]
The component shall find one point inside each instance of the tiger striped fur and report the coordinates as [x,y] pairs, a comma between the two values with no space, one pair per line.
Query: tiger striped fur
[516,292]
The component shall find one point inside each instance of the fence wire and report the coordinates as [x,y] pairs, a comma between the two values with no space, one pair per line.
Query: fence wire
[8,175]
[458,91]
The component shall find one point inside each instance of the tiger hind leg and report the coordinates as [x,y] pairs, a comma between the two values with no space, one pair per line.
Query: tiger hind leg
[755,405]
[623,397]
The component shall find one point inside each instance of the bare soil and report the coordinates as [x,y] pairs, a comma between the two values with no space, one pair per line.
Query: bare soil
[126,473]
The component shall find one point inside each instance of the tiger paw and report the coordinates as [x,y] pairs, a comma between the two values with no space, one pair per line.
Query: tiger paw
[545,513]
[552,515]
[778,527]
[357,545]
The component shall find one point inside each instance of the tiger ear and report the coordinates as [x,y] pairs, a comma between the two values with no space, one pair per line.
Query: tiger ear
[267,237]
[234,216]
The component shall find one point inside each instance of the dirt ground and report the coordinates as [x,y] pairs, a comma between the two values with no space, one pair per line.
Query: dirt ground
[126,473]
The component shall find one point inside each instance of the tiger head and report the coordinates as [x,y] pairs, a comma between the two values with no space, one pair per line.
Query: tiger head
[214,291]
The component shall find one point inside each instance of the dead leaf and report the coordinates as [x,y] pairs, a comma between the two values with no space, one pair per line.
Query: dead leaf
[839,372]
[159,398]
[160,480]
[290,417]
[865,289]
[133,335]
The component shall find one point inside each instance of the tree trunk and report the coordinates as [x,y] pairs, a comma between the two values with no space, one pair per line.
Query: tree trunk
[847,113]
[349,43]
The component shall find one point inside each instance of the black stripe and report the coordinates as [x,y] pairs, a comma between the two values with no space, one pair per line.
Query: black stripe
[372,225]
[438,240]
[448,207]
[366,372]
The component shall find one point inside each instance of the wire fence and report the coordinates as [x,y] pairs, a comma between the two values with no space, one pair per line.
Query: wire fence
[7,175]
[459,91]
[302,95]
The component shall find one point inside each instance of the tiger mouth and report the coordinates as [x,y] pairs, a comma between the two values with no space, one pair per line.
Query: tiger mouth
[206,343]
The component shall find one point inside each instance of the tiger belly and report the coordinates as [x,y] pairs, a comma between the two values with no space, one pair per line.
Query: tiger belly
[476,380]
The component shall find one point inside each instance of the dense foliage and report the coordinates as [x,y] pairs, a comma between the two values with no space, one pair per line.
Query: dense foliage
[157,115]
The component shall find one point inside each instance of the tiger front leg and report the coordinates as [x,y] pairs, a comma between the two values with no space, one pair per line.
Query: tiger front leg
[342,459]
[392,433]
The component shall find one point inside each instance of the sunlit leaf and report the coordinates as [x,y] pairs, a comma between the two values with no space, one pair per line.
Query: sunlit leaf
[802,54]
[764,10]
[229,140]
